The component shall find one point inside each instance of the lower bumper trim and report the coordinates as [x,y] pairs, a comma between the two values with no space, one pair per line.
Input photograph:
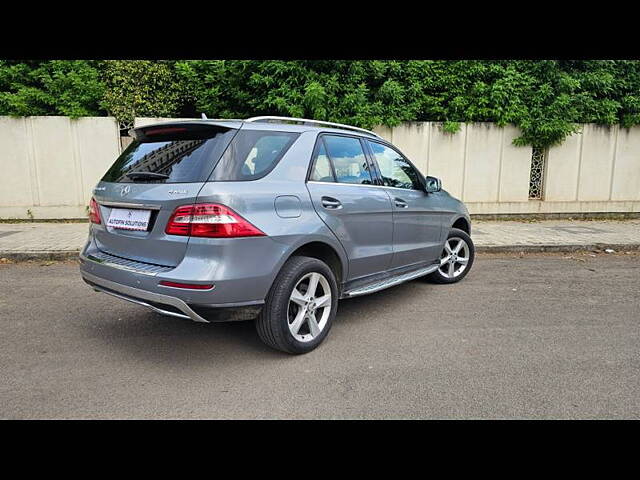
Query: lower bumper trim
[175,307]
[151,300]
[140,302]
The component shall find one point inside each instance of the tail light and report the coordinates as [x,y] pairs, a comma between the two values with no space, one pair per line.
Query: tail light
[210,220]
[94,211]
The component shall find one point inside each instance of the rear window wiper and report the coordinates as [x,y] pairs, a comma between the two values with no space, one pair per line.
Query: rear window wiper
[146,175]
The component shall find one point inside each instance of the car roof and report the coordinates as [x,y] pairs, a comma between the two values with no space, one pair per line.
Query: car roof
[264,126]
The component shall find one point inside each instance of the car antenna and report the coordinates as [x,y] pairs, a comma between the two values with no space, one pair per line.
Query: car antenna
[203,116]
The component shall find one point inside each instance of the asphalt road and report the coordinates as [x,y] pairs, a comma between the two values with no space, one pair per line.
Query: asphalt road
[536,337]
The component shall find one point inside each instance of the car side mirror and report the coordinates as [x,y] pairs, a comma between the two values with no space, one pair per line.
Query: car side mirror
[432,184]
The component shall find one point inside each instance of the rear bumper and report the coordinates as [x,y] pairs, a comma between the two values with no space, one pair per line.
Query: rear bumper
[172,306]
[242,270]
[238,293]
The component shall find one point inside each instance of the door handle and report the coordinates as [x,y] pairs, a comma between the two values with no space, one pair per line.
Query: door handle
[401,203]
[331,203]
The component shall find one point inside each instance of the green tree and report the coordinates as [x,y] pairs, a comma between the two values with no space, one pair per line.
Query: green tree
[546,99]
[57,87]
[141,88]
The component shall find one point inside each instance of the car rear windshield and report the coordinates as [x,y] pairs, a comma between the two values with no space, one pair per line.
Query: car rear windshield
[252,154]
[185,157]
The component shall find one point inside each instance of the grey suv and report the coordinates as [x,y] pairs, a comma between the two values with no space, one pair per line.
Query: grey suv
[271,218]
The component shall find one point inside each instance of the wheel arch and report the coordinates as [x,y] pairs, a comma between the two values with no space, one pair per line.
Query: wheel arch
[462,223]
[325,252]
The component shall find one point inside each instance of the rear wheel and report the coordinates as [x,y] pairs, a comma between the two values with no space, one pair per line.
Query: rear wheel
[456,258]
[300,307]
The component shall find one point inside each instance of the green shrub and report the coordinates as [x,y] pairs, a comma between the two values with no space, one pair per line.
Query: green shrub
[545,99]
[59,87]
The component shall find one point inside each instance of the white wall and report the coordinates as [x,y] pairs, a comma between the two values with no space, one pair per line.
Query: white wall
[596,164]
[478,163]
[595,170]
[49,165]
[625,180]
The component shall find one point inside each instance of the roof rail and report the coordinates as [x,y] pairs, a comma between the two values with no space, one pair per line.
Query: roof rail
[309,121]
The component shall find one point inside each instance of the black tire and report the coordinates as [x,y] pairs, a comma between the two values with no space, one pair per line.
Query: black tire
[273,322]
[438,277]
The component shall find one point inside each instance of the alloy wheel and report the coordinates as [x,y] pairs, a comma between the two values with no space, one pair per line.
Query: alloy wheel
[309,307]
[454,258]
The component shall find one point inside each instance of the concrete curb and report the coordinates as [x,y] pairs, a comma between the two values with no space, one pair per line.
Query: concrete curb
[41,255]
[73,254]
[556,248]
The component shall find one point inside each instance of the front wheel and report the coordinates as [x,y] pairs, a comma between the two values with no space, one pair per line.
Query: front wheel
[456,258]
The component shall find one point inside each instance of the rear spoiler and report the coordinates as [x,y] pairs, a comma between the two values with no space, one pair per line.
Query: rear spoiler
[177,129]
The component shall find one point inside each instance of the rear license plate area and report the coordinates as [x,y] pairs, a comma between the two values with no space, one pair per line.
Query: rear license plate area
[129,219]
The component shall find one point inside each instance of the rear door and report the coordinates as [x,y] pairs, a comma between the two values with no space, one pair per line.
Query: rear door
[417,216]
[165,167]
[343,193]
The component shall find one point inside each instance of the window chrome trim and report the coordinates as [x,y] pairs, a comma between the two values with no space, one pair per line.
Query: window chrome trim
[365,185]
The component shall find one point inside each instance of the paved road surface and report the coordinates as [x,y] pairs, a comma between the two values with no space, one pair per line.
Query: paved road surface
[537,337]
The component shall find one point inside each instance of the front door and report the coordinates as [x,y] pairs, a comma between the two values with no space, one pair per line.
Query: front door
[417,218]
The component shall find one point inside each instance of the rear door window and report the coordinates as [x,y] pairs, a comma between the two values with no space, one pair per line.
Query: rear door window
[252,154]
[189,157]
[348,158]
[322,171]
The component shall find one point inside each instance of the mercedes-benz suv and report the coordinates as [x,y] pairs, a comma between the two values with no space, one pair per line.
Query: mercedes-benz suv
[273,219]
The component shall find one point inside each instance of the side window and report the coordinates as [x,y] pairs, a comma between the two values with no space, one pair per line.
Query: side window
[263,154]
[396,171]
[321,167]
[252,154]
[349,161]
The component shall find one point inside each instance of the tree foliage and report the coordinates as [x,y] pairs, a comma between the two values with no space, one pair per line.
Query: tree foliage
[141,88]
[545,99]
[58,87]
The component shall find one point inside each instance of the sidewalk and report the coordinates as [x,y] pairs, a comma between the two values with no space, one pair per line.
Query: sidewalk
[63,240]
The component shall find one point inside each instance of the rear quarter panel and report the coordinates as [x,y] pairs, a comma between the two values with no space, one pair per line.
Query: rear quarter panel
[246,267]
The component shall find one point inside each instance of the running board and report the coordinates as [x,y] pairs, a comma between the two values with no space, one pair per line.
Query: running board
[390,282]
